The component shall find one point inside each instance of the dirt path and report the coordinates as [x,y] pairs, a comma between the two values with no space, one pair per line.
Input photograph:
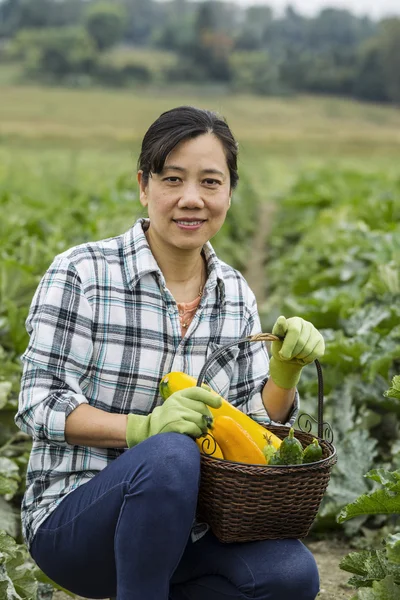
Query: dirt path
[255,271]
[333,580]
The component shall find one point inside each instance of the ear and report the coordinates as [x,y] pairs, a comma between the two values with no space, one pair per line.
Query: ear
[142,189]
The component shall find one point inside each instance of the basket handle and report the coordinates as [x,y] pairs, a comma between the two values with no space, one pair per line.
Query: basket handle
[323,426]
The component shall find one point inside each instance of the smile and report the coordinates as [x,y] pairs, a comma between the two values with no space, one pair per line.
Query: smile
[189,222]
[189,225]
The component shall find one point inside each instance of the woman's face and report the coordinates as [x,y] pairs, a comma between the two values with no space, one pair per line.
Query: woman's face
[187,203]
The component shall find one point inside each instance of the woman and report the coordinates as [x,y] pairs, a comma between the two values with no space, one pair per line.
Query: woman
[113,475]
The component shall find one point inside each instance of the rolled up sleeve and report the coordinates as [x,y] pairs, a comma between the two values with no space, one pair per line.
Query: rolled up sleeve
[57,359]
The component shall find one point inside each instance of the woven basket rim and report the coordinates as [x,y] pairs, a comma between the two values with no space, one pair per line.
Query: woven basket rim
[247,465]
[331,458]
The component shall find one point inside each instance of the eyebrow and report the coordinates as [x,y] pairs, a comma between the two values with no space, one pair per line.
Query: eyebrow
[203,171]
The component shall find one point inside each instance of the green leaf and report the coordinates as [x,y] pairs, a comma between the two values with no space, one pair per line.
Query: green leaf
[7,589]
[366,319]
[393,548]
[10,518]
[17,580]
[369,565]
[379,502]
[394,391]
[9,476]
[5,389]
[391,479]
[381,590]
[355,456]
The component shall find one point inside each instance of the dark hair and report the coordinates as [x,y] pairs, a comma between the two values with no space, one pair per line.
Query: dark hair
[182,123]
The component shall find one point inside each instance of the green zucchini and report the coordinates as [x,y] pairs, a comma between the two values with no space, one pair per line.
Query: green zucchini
[275,459]
[313,452]
[269,452]
[291,450]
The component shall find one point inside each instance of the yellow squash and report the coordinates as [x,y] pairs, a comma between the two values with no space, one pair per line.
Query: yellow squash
[236,443]
[206,445]
[175,381]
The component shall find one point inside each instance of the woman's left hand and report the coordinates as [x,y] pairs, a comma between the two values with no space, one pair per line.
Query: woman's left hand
[301,344]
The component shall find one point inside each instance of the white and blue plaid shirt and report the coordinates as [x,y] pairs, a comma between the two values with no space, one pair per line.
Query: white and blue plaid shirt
[104,329]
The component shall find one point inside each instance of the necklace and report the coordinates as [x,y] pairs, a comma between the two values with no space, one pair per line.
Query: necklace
[189,311]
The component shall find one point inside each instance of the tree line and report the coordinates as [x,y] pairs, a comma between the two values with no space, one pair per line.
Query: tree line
[248,49]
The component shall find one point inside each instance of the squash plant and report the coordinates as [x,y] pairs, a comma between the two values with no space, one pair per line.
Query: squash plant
[376,573]
[334,259]
[20,578]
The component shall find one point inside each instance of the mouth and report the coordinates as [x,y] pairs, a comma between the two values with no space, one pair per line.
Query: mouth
[189,223]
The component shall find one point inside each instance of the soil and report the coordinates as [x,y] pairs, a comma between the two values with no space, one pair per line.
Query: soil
[255,270]
[333,581]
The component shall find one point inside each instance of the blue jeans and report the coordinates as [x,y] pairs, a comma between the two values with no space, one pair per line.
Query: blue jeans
[126,533]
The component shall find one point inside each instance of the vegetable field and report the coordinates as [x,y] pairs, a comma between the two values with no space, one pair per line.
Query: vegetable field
[328,251]
[335,260]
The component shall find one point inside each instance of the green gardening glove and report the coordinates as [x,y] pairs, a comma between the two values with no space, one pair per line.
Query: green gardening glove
[185,411]
[301,345]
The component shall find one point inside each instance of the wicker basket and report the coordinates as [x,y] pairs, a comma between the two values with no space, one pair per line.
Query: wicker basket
[243,502]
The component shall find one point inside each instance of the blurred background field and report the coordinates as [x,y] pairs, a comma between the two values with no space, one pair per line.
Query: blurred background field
[83,79]
[314,226]
[75,135]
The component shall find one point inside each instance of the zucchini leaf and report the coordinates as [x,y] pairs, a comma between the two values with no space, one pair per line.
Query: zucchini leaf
[356,452]
[17,581]
[391,479]
[9,477]
[20,577]
[393,548]
[368,566]
[380,501]
[386,589]
[10,518]
[394,391]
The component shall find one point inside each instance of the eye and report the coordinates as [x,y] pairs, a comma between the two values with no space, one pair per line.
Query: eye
[171,179]
[212,182]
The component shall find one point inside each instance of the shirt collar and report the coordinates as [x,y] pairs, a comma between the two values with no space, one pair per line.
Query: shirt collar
[139,260]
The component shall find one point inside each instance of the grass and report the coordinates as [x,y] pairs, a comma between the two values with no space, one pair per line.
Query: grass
[124,115]
[10,73]
[97,132]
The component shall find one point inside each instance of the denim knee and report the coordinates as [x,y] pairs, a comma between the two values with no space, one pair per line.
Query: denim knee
[301,580]
[282,570]
[310,586]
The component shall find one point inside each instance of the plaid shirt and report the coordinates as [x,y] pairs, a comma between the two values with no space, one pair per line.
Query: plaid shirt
[103,330]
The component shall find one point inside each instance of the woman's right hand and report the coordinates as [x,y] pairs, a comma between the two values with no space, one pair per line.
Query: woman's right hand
[185,411]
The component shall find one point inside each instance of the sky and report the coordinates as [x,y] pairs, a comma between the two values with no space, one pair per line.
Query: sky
[372,8]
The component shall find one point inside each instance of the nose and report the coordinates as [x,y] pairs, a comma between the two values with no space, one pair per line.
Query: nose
[191,197]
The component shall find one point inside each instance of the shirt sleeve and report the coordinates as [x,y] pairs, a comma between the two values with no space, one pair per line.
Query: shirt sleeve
[58,356]
[250,375]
